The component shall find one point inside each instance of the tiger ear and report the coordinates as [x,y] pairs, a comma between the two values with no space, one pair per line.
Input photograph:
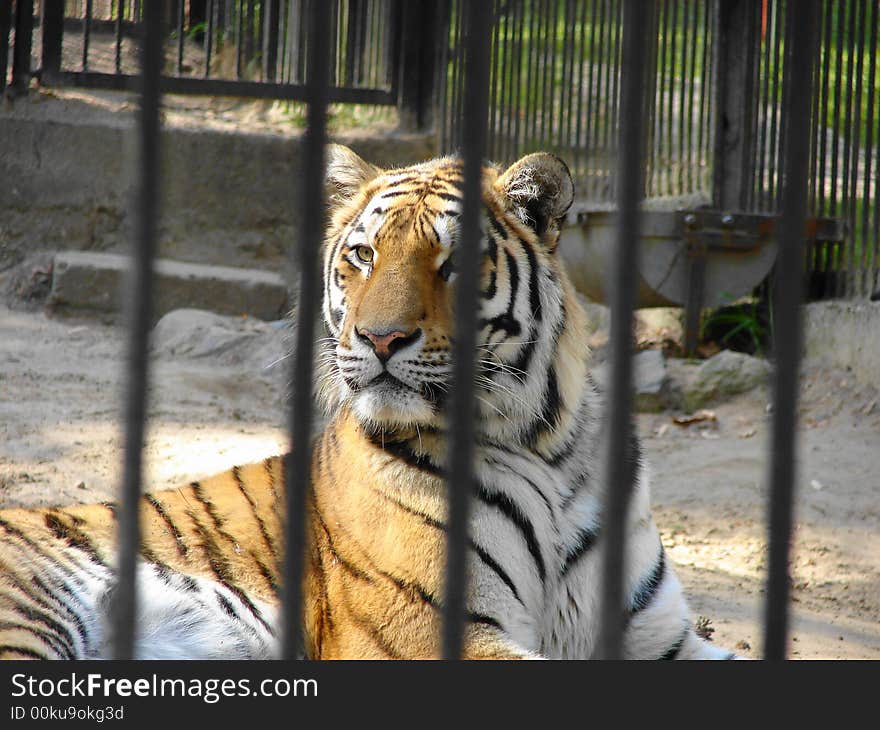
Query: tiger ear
[346,173]
[539,189]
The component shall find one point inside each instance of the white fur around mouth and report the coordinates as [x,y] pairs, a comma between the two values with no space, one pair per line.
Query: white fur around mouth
[389,401]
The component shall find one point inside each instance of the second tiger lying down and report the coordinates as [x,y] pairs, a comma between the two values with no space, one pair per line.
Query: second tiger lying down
[376,517]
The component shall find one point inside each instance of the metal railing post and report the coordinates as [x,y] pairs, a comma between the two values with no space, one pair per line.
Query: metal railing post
[735,34]
[140,313]
[418,59]
[619,472]
[272,15]
[52,28]
[5,26]
[21,52]
[460,422]
[800,43]
[297,462]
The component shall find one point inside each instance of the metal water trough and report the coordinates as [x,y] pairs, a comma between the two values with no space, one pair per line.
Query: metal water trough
[691,257]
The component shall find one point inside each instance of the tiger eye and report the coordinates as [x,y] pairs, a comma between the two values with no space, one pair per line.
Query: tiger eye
[364,253]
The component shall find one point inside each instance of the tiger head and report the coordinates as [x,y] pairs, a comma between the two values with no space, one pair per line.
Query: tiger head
[389,278]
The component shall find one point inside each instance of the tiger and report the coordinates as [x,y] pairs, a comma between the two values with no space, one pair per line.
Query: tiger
[376,513]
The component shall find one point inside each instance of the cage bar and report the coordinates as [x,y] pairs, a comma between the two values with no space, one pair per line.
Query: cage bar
[139,321]
[297,462]
[619,471]
[461,428]
[800,46]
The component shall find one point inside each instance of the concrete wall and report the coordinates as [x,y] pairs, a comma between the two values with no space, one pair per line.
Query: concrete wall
[229,197]
[846,334]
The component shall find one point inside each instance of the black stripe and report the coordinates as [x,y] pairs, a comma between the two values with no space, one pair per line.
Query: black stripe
[78,622]
[499,229]
[586,540]
[72,535]
[371,630]
[219,565]
[502,322]
[492,252]
[236,475]
[673,651]
[227,607]
[479,618]
[349,567]
[490,562]
[31,591]
[549,418]
[649,586]
[403,451]
[56,560]
[62,635]
[22,651]
[534,293]
[179,542]
[510,510]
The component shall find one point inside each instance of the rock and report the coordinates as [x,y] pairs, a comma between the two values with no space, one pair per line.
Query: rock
[98,282]
[723,375]
[651,385]
[657,326]
[193,334]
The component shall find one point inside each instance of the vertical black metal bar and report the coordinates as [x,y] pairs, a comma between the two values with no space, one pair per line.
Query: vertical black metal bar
[857,46]
[21,52]
[619,470]
[181,17]
[660,117]
[800,47]
[140,319]
[777,133]
[444,83]
[763,108]
[271,15]
[670,118]
[823,107]
[585,141]
[734,106]
[417,59]
[494,55]
[51,29]
[120,19]
[87,35]
[689,82]
[610,71]
[583,60]
[869,196]
[845,192]
[5,26]
[209,37]
[462,416]
[297,462]
[239,39]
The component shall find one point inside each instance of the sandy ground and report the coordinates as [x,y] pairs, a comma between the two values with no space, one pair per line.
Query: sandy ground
[60,393]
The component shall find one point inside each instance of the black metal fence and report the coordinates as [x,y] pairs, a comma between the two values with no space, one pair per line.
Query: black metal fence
[621,74]
[713,104]
[244,48]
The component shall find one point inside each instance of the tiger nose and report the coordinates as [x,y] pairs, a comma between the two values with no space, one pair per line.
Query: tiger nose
[386,344]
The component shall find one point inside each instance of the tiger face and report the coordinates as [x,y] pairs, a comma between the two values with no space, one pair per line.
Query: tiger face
[389,279]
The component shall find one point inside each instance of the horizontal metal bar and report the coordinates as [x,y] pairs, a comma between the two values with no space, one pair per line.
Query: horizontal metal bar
[222,87]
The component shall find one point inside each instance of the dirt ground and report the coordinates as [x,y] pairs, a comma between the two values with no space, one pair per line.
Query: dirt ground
[60,392]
